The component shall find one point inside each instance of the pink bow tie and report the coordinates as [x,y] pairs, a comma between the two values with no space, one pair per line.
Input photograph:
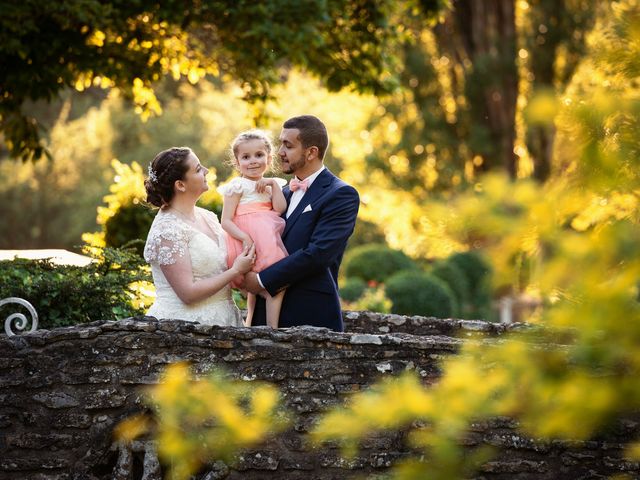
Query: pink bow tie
[296,184]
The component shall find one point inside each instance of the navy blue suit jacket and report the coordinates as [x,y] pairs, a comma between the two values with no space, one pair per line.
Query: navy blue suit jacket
[315,236]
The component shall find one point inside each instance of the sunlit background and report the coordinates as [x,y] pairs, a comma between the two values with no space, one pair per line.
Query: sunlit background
[495,150]
[468,99]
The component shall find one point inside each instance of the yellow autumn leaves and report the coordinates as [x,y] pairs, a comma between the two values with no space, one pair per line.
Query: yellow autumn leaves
[197,420]
[169,53]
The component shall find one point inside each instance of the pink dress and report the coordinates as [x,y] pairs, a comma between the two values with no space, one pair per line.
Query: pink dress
[255,216]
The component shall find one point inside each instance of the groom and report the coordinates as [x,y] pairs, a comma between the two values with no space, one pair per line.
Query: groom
[320,218]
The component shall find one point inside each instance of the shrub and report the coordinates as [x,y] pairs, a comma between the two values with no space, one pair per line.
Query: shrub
[130,221]
[109,288]
[366,233]
[376,262]
[352,289]
[455,278]
[420,293]
[477,271]
[373,300]
[474,267]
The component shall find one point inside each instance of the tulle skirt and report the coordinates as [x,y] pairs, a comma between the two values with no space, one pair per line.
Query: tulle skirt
[265,227]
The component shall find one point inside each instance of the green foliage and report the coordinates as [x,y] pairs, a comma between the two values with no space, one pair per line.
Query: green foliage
[50,203]
[204,117]
[477,273]
[366,232]
[443,132]
[109,288]
[375,262]
[419,293]
[456,280]
[239,299]
[373,300]
[352,289]
[45,48]
[555,36]
[417,143]
[576,239]
[474,268]
[129,222]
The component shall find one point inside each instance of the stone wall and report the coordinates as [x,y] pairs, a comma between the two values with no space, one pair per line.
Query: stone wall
[384,323]
[62,391]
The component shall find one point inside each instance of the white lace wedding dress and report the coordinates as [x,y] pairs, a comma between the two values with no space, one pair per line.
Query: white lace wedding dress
[170,237]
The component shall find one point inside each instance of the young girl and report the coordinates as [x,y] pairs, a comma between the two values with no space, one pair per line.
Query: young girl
[251,213]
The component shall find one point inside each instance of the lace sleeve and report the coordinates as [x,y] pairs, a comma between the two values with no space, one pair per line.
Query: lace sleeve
[232,187]
[167,240]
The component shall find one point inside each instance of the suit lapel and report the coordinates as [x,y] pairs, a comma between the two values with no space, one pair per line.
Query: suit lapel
[287,196]
[316,189]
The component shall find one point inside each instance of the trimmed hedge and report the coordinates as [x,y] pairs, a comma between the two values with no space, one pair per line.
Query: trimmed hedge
[474,267]
[376,262]
[68,295]
[478,273]
[420,293]
[352,289]
[455,278]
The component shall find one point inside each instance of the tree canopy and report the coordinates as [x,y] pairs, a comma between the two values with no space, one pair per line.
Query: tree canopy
[47,47]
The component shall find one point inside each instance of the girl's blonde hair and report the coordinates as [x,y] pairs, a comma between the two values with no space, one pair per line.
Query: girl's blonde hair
[254,134]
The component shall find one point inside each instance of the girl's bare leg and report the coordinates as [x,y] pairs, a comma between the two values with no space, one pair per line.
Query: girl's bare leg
[273,305]
[251,307]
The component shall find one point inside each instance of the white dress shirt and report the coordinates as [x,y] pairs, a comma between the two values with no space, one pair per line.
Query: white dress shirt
[298,194]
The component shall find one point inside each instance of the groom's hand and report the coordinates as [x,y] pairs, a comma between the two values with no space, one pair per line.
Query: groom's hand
[251,283]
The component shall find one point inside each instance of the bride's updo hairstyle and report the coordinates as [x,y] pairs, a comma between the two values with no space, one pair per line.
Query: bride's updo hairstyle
[168,167]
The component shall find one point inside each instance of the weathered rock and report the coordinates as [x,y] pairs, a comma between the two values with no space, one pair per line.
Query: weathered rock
[63,391]
[56,399]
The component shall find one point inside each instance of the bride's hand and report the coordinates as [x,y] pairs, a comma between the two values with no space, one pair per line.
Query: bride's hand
[245,260]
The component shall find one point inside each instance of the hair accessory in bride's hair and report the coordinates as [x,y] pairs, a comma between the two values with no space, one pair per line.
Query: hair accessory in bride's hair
[152,175]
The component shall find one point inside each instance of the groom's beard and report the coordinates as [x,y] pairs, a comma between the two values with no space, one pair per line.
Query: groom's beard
[291,166]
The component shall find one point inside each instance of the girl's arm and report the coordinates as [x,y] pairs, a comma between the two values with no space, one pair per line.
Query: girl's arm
[229,206]
[180,276]
[277,198]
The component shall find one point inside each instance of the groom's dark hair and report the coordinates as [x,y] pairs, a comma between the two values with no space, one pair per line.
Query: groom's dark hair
[313,133]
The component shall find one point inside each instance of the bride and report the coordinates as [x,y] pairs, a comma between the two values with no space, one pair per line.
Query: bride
[186,247]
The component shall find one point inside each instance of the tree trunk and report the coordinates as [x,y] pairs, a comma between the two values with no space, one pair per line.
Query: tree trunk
[488,32]
[553,25]
[540,145]
[547,33]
